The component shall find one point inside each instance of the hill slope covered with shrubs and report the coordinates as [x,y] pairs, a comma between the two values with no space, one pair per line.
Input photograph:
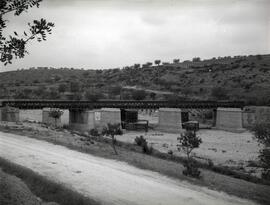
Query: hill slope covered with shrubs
[228,78]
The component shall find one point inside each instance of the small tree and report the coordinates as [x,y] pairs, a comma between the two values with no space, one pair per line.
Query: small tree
[262,134]
[56,114]
[112,130]
[157,62]
[176,61]
[188,141]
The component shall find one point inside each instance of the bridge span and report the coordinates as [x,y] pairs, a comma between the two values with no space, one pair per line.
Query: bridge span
[121,104]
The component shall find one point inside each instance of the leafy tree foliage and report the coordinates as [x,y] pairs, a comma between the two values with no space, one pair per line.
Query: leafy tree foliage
[188,141]
[15,46]
[112,130]
[157,62]
[56,114]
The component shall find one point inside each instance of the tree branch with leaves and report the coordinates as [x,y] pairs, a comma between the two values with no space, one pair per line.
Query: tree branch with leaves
[14,46]
[112,130]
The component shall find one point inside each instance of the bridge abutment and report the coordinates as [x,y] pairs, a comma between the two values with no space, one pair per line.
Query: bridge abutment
[229,119]
[9,114]
[83,120]
[170,120]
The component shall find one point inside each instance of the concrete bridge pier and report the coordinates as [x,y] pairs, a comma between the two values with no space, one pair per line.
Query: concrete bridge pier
[85,120]
[214,117]
[82,120]
[229,119]
[46,119]
[170,120]
[9,114]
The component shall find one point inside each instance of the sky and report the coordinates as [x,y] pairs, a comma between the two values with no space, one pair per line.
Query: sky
[101,34]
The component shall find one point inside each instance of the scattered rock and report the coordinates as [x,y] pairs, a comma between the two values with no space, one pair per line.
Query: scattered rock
[213,149]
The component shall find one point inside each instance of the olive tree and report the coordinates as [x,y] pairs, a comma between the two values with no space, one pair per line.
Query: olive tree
[56,114]
[112,130]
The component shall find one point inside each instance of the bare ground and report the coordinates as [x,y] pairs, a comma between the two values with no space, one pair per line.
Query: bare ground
[108,181]
[214,181]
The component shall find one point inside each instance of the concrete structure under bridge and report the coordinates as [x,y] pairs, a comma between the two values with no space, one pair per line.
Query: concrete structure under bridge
[86,115]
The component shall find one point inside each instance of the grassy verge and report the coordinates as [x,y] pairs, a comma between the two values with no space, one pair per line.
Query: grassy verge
[157,162]
[45,189]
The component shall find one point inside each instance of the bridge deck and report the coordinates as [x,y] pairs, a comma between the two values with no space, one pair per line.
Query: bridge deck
[122,104]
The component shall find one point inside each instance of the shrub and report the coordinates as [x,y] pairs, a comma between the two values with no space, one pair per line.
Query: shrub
[94,132]
[191,169]
[140,140]
[262,134]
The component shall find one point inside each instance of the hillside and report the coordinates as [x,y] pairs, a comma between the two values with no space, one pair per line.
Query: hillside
[228,78]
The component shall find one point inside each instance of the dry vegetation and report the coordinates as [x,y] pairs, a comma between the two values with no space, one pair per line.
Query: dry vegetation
[133,155]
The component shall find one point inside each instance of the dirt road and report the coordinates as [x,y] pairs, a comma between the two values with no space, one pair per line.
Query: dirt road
[108,181]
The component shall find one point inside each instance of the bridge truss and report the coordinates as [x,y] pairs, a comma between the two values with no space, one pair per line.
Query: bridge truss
[122,104]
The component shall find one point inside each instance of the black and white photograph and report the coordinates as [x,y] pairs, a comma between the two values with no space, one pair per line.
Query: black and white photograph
[134,102]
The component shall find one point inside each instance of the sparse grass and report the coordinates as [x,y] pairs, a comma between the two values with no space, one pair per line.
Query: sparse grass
[163,163]
[45,189]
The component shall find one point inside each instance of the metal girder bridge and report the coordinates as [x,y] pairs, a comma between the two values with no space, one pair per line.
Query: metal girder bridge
[122,104]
